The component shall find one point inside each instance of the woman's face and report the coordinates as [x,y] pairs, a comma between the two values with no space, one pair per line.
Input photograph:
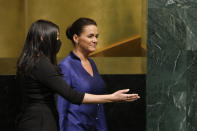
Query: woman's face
[87,40]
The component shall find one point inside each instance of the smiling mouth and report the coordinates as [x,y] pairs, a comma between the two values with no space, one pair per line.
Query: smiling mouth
[93,45]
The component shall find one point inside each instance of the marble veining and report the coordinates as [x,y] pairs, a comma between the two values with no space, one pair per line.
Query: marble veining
[172,3]
[172,65]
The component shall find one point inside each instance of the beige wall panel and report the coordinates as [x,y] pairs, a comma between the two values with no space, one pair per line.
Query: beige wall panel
[11,27]
[121,65]
[144,23]
[116,19]
[105,65]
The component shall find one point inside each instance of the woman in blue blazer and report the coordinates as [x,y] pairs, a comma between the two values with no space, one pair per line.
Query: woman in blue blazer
[81,74]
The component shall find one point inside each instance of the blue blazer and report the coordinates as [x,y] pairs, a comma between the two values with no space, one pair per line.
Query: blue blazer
[84,117]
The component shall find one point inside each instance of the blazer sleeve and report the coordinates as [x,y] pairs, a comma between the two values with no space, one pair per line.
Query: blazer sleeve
[46,73]
[63,104]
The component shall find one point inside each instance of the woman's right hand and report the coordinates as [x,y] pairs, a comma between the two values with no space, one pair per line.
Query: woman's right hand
[121,96]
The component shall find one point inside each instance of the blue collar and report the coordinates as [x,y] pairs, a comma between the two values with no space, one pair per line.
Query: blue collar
[74,56]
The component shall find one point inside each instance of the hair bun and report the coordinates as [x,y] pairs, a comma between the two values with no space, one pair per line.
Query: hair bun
[69,33]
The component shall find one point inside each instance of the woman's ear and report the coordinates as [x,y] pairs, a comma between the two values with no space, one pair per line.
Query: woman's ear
[75,39]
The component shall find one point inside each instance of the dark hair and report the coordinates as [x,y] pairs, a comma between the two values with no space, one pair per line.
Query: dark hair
[41,40]
[77,27]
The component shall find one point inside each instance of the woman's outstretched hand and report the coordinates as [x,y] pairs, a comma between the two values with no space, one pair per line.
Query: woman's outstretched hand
[118,96]
[121,96]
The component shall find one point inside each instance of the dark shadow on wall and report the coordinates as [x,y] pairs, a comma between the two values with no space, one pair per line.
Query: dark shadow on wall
[126,116]
[8,102]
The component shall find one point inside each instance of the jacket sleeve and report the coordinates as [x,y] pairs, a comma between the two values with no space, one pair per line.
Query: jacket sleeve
[46,73]
[63,104]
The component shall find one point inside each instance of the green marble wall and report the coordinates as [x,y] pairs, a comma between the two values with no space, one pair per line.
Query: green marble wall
[172,65]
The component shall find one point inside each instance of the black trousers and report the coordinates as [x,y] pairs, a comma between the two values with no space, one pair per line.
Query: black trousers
[38,117]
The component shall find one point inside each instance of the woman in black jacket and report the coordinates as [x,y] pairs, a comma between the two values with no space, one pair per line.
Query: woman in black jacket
[40,79]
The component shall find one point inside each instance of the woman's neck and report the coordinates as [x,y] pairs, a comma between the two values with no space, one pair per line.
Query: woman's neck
[83,56]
